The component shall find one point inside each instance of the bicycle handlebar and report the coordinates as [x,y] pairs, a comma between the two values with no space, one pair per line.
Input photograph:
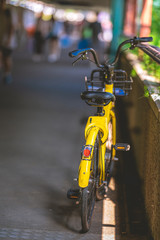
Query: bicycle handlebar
[133,41]
[137,40]
[83,52]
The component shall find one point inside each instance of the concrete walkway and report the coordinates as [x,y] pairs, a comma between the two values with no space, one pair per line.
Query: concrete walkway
[41,133]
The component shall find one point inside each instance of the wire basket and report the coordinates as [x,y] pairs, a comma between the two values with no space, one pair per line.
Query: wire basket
[122,83]
[97,81]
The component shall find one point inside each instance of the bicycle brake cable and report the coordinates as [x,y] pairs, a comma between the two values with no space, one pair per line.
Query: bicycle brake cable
[82,57]
[78,59]
[110,59]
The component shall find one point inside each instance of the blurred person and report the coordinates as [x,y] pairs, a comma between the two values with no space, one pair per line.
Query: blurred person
[38,39]
[65,36]
[96,43]
[86,36]
[96,29]
[27,31]
[56,30]
[6,41]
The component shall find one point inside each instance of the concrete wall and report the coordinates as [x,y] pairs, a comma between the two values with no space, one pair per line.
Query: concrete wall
[144,125]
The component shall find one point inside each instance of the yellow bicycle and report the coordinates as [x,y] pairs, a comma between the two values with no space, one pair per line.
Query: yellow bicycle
[100,148]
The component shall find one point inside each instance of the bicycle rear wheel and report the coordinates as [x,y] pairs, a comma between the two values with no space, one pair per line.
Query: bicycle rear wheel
[89,193]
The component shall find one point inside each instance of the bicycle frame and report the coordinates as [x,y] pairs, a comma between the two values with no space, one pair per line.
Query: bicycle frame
[98,125]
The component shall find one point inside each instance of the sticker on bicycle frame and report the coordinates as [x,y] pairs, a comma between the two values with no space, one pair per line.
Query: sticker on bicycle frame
[87,151]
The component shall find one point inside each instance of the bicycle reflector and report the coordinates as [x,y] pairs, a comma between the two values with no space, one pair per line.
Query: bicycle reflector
[87,151]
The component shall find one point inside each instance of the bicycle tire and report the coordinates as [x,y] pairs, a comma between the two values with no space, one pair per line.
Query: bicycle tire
[89,193]
[109,164]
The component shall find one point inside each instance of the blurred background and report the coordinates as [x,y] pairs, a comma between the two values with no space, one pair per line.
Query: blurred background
[42,118]
[78,24]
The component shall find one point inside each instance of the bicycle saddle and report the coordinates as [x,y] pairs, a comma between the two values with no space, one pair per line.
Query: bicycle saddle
[94,98]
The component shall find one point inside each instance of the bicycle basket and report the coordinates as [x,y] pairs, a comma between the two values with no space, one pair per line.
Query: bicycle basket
[96,81]
[122,83]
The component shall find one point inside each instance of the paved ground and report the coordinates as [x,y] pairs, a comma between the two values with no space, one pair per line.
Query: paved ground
[41,133]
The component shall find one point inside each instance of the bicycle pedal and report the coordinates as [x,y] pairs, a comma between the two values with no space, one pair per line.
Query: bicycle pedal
[105,183]
[115,159]
[73,194]
[105,191]
[100,192]
[121,147]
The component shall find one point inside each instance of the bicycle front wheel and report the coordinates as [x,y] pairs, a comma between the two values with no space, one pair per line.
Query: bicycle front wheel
[89,193]
[88,201]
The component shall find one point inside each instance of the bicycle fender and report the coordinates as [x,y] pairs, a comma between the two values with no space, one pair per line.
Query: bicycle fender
[84,173]
[85,164]
[97,122]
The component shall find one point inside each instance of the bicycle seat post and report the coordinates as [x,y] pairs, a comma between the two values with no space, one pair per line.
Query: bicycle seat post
[100,111]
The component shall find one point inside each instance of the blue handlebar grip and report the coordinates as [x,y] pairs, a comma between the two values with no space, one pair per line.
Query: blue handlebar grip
[75,53]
